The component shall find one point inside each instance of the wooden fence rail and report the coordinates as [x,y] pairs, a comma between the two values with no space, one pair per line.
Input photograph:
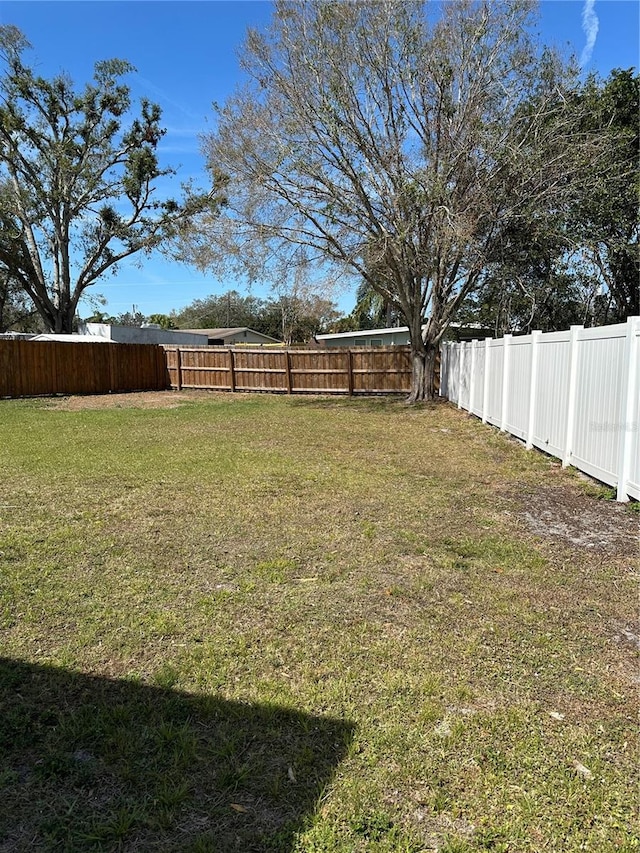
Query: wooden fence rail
[35,368]
[381,370]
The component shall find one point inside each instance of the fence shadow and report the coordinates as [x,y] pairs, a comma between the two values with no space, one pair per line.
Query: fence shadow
[391,404]
[91,763]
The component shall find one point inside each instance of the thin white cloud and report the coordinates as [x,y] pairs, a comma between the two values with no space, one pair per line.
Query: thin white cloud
[166,98]
[590,25]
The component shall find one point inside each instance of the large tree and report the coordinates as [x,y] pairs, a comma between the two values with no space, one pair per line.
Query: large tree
[583,264]
[79,181]
[398,142]
[605,218]
[17,313]
[294,315]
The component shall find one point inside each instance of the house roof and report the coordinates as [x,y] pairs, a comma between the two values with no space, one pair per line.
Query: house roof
[229,333]
[74,339]
[363,332]
[389,331]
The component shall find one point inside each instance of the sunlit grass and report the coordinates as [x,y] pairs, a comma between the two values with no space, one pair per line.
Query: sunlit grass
[354,561]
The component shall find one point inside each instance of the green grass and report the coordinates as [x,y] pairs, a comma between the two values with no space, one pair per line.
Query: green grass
[303,625]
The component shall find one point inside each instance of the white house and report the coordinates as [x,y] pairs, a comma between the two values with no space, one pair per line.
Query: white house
[148,334]
[397,336]
[231,337]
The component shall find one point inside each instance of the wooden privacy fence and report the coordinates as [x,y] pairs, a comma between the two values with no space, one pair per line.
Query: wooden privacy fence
[35,368]
[574,394]
[381,370]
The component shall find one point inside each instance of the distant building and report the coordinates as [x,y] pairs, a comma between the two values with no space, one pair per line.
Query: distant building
[148,334]
[71,338]
[231,337]
[398,336]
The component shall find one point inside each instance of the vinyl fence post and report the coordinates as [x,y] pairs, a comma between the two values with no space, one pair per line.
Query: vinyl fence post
[628,407]
[487,368]
[574,342]
[533,387]
[443,369]
[461,354]
[505,382]
[472,375]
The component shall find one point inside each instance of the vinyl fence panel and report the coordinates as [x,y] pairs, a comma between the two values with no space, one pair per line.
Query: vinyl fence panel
[464,367]
[629,480]
[517,399]
[595,444]
[574,394]
[552,393]
[477,377]
[494,382]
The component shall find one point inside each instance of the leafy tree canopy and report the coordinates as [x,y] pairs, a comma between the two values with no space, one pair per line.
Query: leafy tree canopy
[79,173]
[580,264]
[292,317]
[398,145]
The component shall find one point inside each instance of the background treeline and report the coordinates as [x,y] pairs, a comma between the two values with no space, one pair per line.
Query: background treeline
[289,318]
[577,262]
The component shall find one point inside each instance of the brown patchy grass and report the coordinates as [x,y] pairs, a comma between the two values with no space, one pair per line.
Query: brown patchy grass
[308,624]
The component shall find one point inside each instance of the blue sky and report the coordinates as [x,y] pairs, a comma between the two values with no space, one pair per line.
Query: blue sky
[186,55]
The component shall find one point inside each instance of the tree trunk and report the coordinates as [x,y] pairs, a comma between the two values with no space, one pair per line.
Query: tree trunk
[423,361]
[423,378]
[59,320]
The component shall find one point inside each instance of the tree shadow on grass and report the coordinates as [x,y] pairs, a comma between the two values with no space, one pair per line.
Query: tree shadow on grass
[357,403]
[90,763]
[395,405]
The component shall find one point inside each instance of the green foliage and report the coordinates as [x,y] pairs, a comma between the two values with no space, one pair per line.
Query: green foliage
[372,311]
[79,187]
[398,147]
[606,219]
[579,263]
[17,314]
[130,318]
[163,320]
[286,317]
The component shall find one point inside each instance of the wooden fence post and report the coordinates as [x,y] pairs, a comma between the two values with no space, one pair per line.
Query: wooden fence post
[179,369]
[232,371]
[350,372]
[112,370]
[287,364]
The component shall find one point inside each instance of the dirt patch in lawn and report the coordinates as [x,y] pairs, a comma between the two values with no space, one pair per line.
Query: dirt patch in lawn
[130,400]
[561,512]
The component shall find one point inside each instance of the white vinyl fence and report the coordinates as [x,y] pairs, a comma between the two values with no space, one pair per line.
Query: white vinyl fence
[573,394]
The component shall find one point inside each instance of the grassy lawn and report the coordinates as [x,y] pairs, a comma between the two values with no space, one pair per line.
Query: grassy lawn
[269,624]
